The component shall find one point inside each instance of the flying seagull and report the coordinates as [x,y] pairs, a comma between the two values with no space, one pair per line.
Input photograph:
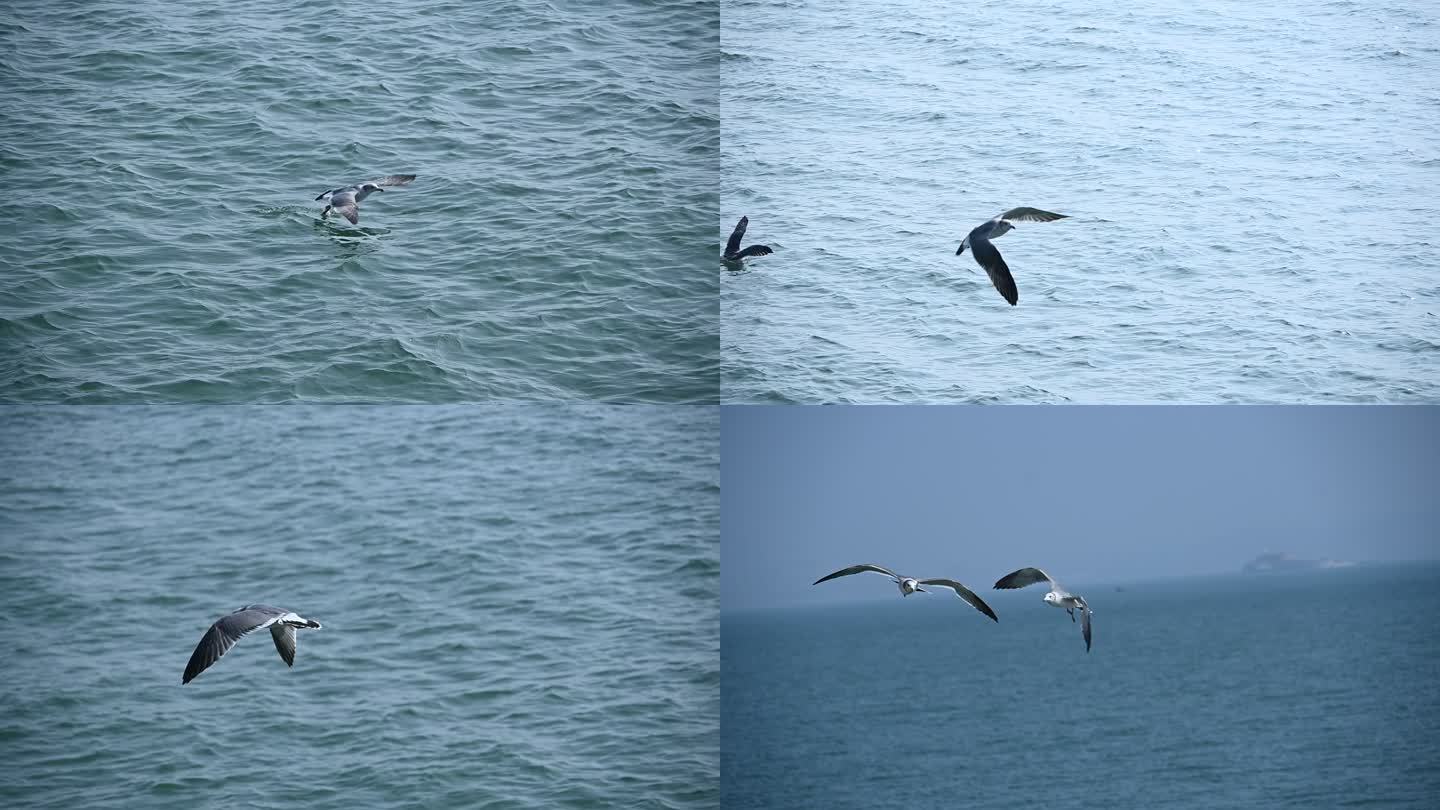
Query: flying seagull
[989,258]
[1058,596]
[733,253]
[223,634]
[909,585]
[346,200]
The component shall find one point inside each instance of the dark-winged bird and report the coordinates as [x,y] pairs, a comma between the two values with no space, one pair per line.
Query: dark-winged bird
[733,253]
[346,200]
[989,258]
[1058,596]
[223,634]
[909,585]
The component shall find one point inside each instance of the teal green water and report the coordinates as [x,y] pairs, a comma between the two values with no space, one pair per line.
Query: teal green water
[486,577]
[162,243]
[1279,691]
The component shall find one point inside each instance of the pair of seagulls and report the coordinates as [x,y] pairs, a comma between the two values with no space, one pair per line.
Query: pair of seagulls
[1058,596]
[978,241]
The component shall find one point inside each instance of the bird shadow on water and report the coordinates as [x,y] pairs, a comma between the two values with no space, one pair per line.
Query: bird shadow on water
[351,242]
[277,211]
[335,227]
[347,250]
[326,227]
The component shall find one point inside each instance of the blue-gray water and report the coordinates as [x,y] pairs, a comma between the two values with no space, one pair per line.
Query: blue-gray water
[1280,691]
[1251,191]
[161,241]
[520,606]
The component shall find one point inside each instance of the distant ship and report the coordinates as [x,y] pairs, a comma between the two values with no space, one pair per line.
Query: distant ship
[1281,561]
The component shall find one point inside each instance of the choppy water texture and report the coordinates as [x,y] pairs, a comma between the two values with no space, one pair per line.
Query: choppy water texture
[1251,192]
[492,633]
[1291,691]
[162,244]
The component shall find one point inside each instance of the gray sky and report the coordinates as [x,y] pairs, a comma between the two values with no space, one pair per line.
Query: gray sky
[1090,494]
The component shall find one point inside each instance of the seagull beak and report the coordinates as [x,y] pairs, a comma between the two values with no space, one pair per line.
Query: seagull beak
[960,250]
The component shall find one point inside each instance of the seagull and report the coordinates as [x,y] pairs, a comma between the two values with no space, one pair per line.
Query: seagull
[733,253]
[1058,596]
[989,258]
[346,200]
[909,585]
[223,634]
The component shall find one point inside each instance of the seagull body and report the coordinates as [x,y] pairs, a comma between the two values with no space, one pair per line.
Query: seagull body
[223,634]
[909,585]
[1058,596]
[346,199]
[978,241]
[733,253]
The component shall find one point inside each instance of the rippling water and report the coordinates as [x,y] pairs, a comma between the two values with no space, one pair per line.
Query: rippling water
[162,243]
[1251,192]
[496,633]
[1294,691]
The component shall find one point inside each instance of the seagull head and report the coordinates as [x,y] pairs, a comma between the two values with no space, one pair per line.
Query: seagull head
[1051,597]
[370,187]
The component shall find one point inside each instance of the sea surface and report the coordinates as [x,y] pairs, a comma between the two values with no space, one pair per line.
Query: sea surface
[162,242]
[1304,690]
[1251,192]
[520,606]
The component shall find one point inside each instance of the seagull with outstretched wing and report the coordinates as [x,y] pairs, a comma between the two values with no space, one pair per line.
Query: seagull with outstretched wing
[223,634]
[733,253]
[909,585]
[978,241]
[346,199]
[1058,596]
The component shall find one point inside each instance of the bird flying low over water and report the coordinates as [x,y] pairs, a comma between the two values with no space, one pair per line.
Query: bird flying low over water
[223,634]
[909,585]
[346,200]
[733,253]
[989,258]
[1058,596]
